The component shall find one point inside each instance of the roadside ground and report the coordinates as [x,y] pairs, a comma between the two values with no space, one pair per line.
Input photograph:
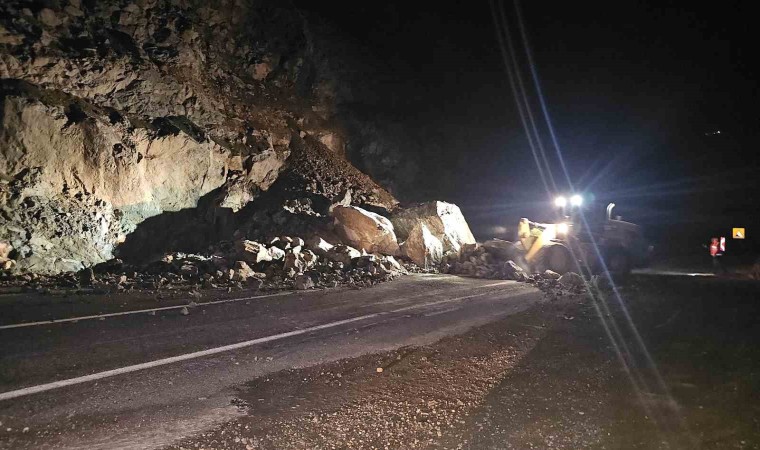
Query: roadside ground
[570,373]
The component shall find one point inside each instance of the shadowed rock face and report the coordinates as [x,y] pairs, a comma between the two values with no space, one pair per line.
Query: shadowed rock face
[115,112]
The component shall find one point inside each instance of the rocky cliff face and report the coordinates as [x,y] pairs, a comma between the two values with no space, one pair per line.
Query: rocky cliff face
[114,114]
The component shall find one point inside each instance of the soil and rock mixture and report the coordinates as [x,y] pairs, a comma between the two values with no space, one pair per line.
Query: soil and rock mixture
[141,142]
[546,378]
[135,128]
[283,263]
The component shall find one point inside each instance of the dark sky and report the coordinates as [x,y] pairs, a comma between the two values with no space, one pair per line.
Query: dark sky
[632,89]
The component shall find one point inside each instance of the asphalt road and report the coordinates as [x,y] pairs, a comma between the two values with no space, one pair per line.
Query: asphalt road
[145,380]
[663,362]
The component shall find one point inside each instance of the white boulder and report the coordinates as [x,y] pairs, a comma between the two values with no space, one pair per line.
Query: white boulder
[443,220]
[423,247]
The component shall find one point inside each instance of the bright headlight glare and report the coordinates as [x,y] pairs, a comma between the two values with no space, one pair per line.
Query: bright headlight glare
[562,228]
[576,200]
[560,202]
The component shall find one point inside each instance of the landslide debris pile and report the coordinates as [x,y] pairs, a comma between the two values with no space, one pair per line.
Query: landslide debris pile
[496,259]
[283,263]
[493,259]
[160,142]
[162,125]
[354,247]
[363,251]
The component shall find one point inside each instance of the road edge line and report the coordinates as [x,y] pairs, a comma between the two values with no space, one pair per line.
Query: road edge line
[137,311]
[213,351]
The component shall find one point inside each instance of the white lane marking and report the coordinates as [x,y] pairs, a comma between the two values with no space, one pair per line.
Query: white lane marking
[672,273]
[138,311]
[440,291]
[498,283]
[165,308]
[442,311]
[213,351]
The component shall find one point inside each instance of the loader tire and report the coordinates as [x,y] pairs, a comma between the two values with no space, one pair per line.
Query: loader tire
[618,262]
[556,258]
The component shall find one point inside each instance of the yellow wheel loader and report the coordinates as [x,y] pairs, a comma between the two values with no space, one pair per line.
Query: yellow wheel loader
[582,243]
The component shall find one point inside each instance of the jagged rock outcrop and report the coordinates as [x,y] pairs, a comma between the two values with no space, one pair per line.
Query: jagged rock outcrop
[138,127]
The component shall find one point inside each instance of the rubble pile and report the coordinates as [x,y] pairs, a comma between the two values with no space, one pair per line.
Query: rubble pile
[555,285]
[283,263]
[493,259]
[148,131]
[359,248]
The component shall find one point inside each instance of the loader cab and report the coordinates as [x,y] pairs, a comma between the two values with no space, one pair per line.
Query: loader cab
[596,231]
[582,223]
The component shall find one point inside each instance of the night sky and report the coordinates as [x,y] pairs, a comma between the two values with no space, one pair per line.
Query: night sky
[634,90]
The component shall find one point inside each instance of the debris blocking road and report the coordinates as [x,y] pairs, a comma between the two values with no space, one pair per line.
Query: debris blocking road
[359,249]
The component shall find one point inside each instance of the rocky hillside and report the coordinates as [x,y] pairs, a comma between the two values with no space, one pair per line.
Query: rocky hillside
[135,127]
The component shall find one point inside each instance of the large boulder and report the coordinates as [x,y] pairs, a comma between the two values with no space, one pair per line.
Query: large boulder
[365,230]
[390,263]
[443,220]
[423,247]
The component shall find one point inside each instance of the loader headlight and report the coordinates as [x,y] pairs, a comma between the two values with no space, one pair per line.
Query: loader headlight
[576,200]
[560,202]
[563,228]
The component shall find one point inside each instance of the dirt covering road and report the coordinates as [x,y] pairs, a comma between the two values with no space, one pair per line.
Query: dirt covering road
[549,377]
